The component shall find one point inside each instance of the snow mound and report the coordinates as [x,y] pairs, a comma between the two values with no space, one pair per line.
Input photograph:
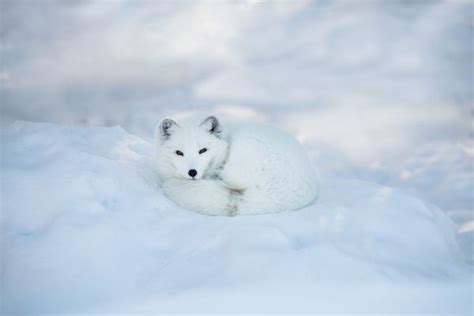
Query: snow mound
[86,228]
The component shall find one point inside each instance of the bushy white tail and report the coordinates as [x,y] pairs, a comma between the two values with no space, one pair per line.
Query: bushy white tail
[209,197]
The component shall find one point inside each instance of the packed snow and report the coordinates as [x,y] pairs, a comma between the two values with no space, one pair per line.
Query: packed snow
[379,93]
[86,228]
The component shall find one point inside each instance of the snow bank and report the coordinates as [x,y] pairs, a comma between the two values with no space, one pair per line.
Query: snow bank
[85,228]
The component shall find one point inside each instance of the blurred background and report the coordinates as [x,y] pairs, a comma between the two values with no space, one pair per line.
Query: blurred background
[378,90]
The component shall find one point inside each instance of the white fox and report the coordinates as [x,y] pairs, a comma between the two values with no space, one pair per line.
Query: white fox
[239,169]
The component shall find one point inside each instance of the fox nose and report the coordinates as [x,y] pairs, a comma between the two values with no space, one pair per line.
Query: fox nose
[192,173]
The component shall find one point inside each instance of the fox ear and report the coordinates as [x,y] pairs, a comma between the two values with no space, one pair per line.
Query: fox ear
[166,128]
[212,126]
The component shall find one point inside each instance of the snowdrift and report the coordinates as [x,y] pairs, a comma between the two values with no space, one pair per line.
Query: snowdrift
[85,228]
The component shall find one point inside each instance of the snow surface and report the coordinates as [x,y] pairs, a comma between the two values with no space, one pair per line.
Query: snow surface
[379,91]
[86,228]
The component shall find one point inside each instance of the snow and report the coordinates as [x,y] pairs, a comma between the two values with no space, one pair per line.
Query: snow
[378,92]
[86,228]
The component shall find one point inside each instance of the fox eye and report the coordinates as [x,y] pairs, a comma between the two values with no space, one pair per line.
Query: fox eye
[202,151]
[179,153]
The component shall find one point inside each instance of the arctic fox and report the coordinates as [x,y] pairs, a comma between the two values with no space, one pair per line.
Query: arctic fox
[239,169]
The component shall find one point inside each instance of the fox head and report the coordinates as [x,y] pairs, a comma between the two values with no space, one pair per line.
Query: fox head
[190,150]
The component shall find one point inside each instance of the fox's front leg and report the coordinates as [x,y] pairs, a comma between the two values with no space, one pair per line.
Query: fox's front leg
[204,196]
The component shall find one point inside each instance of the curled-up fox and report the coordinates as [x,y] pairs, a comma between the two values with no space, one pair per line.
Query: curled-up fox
[239,169]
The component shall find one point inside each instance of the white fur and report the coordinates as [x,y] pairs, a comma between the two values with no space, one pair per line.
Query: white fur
[247,168]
